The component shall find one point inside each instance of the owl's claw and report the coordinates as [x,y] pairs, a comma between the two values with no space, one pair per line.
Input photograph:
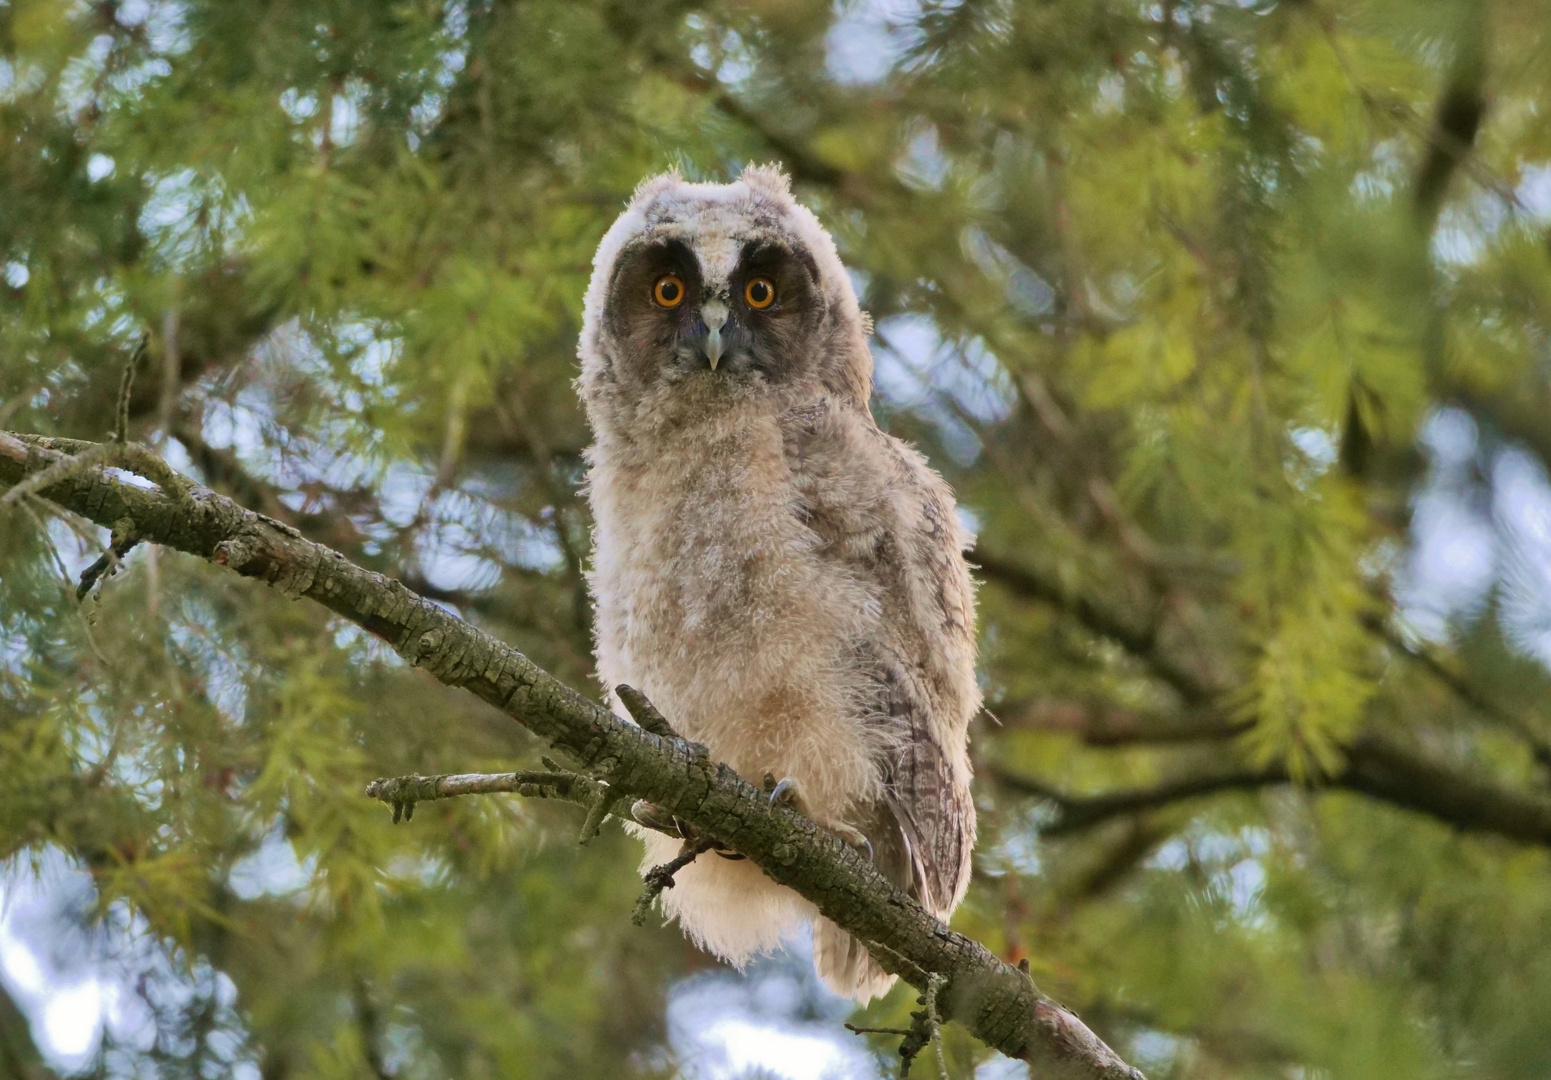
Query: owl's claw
[788,792]
[655,817]
[852,837]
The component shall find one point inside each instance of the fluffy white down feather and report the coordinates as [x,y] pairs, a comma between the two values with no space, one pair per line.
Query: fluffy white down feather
[782,579]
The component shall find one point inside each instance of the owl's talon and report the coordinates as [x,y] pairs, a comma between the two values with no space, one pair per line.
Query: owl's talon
[651,815]
[655,817]
[786,792]
[854,838]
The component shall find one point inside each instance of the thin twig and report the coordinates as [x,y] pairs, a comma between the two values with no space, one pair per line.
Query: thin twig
[126,386]
[142,461]
[120,544]
[172,367]
[403,792]
[934,983]
[925,1029]
[914,1042]
[603,803]
[120,452]
[131,456]
[60,470]
[660,877]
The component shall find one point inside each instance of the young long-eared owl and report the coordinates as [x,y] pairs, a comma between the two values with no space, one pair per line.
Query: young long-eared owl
[782,579]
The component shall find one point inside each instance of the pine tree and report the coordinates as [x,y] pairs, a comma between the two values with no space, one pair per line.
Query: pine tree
[1228,323]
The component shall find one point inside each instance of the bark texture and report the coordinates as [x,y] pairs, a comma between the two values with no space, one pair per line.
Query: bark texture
[998,1003]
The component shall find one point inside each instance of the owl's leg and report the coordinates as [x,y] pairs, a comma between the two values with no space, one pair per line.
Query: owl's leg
[787,791]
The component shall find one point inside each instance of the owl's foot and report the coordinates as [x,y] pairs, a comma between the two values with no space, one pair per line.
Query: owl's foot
[853,837]
[655,817]
[787,791]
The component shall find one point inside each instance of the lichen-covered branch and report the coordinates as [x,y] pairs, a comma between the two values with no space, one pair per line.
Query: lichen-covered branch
[403,792]
[996,1002]
[660,877]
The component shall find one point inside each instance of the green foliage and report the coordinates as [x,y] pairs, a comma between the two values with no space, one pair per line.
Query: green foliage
[1160,287]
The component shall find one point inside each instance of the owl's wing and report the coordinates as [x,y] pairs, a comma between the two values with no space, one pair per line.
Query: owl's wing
[930,810]
[876,505]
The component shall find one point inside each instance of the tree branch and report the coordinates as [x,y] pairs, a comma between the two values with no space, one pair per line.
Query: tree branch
[1456,122]
[403,792]
[1439,666]
[1077,812]
[1101,724]
[1141,641]
[996,1002]
[1376,766]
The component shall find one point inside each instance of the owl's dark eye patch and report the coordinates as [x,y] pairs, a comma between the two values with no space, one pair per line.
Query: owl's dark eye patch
[775,280]
[653,281]
[780,305]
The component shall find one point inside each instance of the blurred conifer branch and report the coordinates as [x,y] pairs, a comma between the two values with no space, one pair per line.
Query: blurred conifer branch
[1375,765]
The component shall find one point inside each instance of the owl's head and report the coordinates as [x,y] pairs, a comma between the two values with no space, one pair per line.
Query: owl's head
[704,294]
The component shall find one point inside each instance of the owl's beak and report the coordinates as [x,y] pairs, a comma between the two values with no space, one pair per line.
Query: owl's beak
[715,316]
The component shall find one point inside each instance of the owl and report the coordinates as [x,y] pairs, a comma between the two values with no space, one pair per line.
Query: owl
[781,578]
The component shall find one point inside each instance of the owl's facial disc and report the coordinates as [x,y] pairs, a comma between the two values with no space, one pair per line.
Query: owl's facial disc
[742,315]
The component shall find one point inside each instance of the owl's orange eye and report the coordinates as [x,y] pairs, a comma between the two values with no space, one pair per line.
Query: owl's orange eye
[760,293]
[669,290]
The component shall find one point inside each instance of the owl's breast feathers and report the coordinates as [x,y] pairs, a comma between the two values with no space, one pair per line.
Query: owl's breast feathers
[791,590]
[714,599]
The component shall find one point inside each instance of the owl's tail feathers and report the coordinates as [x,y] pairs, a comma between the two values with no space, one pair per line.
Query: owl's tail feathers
[845,965]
